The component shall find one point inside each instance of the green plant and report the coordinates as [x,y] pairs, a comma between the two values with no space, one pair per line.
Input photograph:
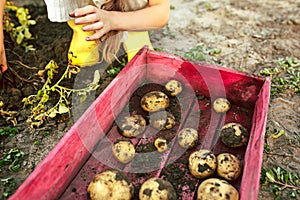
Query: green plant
[200,53]
[167,32]
[8,183]
[280,180]
[285,76]
[272,133]
[114,71]
[115,68]
[12,158]
[19,30]
[41,110]
[8,131]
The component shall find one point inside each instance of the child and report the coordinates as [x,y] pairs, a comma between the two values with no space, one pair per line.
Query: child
[3,63]
[94,21]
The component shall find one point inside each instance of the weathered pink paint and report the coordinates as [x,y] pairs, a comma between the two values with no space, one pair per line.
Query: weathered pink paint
[70,166]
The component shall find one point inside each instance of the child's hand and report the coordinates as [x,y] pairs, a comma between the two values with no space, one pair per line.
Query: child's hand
[95,19]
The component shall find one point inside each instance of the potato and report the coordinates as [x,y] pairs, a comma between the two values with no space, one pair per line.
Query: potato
[110,185]
[123,150]
[228,166]
[202,163]
[187,138]
[131,126]
[221,105]
[162,120]
[161,144]
[234,135]
[157,189]
[174,87]
[154,101]
[216,189]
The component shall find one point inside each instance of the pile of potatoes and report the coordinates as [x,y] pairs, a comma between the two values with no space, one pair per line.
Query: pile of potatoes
[155,103]
[203,164]
[114,185]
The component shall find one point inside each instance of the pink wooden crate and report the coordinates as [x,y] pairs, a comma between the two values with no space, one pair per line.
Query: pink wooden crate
[85,149]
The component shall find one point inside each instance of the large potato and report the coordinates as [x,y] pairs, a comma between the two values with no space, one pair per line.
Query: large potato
[123,150]
[162,120]
[216,189]
[173,87]
[202,163]
[154,101]
[110,185]
[229,166]
[131,126]
[221,105]
[234,135]
[157,189]
[187,138]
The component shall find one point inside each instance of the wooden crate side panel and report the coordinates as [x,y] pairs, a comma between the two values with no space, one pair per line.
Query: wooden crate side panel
[55,172]
[253,157]
[213,82]
[100,160]
[208,80]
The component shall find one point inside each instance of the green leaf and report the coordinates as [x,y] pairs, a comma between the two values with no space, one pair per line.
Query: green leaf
[96,77]
[14,167]
[292,194]
[20,38]
[8,131]
[27,34]
[31,22]
[45,98]
[63,108]
[113,71]
[83,98]
[286,178]
[7,194]
[291,177]
[52,114]
[270,176]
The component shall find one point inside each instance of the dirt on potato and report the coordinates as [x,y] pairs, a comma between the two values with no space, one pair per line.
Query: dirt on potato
[252,35]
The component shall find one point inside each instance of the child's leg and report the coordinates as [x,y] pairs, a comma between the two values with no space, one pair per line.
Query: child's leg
[135,41]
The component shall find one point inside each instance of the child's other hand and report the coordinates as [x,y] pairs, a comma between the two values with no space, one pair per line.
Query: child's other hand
[94,19]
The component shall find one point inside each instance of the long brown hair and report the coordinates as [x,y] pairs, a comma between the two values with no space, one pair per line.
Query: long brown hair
[113,38]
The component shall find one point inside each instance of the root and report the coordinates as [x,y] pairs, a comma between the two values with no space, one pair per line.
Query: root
[19,77]
[23,65]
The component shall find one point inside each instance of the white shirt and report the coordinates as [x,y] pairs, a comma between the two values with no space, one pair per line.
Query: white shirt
[58,10]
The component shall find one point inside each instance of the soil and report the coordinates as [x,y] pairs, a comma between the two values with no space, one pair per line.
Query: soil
[251,34]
